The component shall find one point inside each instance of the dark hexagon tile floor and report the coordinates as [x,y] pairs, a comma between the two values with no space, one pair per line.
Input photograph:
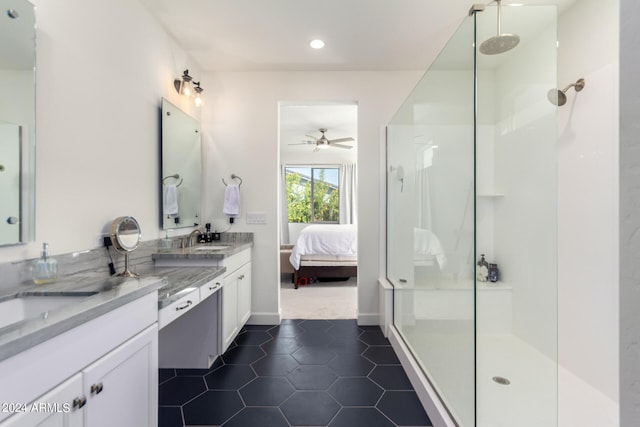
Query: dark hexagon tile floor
[301,372]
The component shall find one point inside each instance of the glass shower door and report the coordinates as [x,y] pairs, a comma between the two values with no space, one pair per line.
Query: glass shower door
[430,218]
[472,170]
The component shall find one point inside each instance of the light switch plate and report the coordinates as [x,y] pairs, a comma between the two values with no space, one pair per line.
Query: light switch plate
[256,218]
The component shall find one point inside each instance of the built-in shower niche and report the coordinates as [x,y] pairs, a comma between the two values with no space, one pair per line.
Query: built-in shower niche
[475,142]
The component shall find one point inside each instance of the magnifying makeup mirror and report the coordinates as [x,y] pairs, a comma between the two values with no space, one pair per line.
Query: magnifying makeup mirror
[125,236]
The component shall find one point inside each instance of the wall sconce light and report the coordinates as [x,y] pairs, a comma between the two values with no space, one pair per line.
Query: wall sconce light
[186,86]
[198,90]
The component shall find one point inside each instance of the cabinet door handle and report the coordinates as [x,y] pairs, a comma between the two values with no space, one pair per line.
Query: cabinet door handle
[79,402]
[182,307]
[96,388]
[216,286]
[241,277]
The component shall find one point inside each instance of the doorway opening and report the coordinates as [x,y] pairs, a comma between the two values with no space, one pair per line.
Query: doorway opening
[318,210]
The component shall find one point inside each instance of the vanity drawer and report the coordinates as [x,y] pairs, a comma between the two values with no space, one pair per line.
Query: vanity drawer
[178,308]
[211,287]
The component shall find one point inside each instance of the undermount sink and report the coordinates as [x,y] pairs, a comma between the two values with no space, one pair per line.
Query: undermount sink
[32,306]
[212,248]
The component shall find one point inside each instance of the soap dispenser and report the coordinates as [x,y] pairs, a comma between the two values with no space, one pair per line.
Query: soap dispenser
[166,244]
[45,269]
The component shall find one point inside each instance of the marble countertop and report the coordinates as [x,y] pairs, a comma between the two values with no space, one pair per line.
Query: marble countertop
[214,250]
[179,278]
[91,296]
[92,299]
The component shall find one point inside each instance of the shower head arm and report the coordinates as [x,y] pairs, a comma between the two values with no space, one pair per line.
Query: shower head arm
[578,85]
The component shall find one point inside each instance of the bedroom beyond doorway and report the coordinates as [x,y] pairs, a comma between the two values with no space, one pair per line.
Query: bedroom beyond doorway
[318,202]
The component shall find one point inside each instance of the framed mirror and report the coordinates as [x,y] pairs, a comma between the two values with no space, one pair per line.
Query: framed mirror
[17,122]
[181,175]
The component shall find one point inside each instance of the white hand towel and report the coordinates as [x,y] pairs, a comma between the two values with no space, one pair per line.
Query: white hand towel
[170,198]
[232,200]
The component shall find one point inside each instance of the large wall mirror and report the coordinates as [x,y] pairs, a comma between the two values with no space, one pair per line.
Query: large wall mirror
[181,168]
[17,122]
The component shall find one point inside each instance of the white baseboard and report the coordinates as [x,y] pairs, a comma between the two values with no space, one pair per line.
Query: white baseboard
[369,319]
[264,319]
[428,397]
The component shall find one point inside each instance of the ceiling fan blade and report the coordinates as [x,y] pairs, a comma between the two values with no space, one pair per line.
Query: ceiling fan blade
[303,143]
[342,146]
[316,149]
[311,136]
[341,140]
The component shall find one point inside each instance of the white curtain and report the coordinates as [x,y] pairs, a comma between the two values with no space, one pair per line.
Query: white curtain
[284,210]
[348,194]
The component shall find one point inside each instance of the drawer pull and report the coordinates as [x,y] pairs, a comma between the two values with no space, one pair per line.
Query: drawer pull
[79,402]
[216,286]
[182,307]
[96,388]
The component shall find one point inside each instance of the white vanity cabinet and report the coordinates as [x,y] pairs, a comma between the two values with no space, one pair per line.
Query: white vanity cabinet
[103,372]
[118,386]
[64,411]
[236,296]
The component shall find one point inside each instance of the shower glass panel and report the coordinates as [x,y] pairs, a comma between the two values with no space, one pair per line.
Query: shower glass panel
[471,171]
[430,222]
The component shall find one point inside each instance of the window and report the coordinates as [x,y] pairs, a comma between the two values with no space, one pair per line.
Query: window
[307,184]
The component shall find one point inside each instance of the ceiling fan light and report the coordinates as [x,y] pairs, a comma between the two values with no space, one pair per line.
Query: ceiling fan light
[316,44]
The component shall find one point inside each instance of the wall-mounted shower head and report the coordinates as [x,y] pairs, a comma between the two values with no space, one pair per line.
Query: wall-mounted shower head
[499,43]
[559,97]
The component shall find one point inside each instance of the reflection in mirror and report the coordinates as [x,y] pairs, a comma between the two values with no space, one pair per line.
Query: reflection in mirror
[181,168]
[17,122]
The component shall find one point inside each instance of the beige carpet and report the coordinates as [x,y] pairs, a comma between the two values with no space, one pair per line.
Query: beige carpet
[320,300]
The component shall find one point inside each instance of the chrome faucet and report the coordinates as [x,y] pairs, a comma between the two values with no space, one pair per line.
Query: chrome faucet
[189,240]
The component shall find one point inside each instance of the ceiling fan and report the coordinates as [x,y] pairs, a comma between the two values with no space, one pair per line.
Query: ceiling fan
[323,142]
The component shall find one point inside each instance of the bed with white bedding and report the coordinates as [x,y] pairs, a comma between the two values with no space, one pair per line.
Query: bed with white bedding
[325,250]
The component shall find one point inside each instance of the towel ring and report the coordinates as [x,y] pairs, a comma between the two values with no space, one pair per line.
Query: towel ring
[233,176]
[175,176]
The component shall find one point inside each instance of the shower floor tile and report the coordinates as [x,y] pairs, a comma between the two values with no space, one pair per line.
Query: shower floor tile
[302,372]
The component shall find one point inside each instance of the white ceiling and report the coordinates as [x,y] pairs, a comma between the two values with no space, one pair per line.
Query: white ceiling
[274,35]
[299,121]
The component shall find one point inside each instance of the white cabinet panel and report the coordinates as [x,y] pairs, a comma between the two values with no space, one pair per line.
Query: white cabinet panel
[229,311]
[59,411]
[244,294]
[122,386]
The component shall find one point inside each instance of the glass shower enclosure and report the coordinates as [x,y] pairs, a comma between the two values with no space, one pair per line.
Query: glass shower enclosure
[471,178]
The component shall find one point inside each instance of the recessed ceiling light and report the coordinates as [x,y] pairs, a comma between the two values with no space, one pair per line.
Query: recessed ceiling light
[316,44]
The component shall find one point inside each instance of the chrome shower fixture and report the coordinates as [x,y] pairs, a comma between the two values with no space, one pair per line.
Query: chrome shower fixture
[559,97]
[499,43]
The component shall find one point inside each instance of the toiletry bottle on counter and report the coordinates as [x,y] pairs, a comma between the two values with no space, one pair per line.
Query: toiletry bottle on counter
[493,272]
[166,244]
[45,269]
[482,272]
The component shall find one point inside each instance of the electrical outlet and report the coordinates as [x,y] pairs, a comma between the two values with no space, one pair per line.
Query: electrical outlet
[99,239]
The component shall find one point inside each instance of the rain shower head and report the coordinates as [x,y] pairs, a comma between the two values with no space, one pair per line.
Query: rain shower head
[499,43]
[559,97]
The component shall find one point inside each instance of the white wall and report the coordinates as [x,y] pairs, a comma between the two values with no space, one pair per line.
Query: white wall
[240,128]
[525,170]
[102,69]
[588,197]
